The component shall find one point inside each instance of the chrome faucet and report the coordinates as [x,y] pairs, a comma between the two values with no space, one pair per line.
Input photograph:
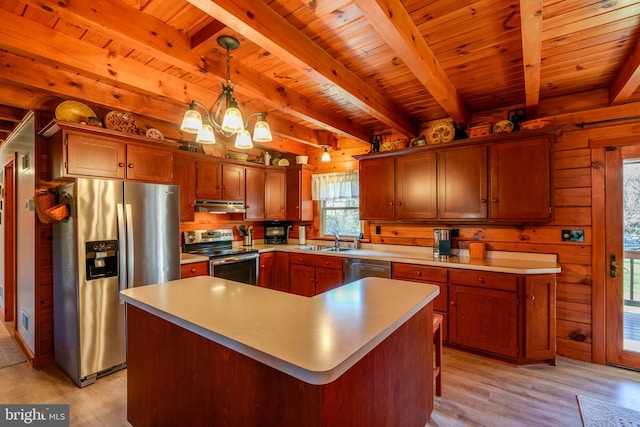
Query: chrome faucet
[356,242]
[337,237]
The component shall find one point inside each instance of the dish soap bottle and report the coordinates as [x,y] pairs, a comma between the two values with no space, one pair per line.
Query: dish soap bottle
[267,158]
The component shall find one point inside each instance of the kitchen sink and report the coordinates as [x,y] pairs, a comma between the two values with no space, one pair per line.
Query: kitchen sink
[311,248]
[334,249]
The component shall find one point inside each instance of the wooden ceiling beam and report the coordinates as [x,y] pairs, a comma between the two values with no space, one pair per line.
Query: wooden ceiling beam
[531,30]
[206,33]
[11,114]
[260,23]
[394,24]
[627,79]
[21,33]
[129,25]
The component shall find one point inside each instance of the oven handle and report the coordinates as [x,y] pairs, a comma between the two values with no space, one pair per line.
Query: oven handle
[234,258]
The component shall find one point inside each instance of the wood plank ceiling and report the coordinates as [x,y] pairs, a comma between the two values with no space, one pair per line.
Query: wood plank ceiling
[352,68]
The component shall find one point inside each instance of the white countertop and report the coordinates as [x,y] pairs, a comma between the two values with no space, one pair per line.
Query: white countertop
[314,339]
[499,262]
[186,258]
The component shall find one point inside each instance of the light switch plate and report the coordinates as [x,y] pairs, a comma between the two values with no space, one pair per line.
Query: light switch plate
[573,235]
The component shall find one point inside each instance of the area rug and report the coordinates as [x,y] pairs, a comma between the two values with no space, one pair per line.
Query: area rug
[9,352]
[596,413]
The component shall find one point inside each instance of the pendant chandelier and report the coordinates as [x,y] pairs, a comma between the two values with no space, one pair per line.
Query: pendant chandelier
[232,122]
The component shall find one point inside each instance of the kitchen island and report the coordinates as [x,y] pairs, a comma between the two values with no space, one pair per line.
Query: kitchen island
[207,351]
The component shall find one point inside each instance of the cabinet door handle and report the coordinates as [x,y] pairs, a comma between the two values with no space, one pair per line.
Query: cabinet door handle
[312,280]
[121,164]
[130,165]
[483,200]
[452,302]
[390,203]
[399,203]
[531,297]
[494,200]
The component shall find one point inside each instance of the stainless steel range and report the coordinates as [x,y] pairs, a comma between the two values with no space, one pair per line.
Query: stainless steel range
[225,261]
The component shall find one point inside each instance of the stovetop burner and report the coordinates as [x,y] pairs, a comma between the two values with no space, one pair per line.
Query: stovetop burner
[212,243]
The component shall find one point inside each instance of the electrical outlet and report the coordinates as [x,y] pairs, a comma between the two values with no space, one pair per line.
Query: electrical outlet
[25,320]
[377,229]
[573,235]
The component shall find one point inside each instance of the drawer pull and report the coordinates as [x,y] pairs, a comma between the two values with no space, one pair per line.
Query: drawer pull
[480,279]
[418,273]
[193,270]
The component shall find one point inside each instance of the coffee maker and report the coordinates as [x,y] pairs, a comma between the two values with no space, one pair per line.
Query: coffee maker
[441,242]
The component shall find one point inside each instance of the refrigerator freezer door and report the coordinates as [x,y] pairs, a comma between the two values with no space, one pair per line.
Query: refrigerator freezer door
[100,338]
[153,233]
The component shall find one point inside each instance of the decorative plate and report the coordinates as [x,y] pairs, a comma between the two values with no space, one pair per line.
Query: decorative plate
[387,146]
[503,126]
[441,131]
[73,111]
[154,133]
[123,122]
[283,162]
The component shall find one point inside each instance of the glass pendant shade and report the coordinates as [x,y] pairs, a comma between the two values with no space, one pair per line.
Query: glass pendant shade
[206,136]
[326,157]
[232,121]
[192,121]
[243,140]
[262,132]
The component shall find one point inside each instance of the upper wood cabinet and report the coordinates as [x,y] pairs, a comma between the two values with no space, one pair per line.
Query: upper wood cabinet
[503,178]
[77,151]
[217,181]
[184,175]
[299,206]
[521,180]
[415,180]
[462,183]
[377,188]
[254,198]
[275,195]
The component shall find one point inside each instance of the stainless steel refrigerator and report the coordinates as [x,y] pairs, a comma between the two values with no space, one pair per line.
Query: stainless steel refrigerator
[118,235]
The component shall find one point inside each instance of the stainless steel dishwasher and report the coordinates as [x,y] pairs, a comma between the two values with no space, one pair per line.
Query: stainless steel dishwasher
[358,268]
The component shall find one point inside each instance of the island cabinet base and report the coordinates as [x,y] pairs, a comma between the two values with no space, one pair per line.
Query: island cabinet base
[176,377]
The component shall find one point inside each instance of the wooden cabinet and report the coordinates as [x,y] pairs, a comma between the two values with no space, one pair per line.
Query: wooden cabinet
[462,183]
[377,188]
[503,178]
[184,175]
[281,271]
[299,206]
[217,181]
[415,181]
[254,194]
[521,180]
[539,296]
[484,318]
[194,269]
[275,195]
[75,153]
[266,270]
[314,274]
[433,276]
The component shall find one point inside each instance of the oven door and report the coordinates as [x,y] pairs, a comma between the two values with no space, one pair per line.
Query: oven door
[239,268]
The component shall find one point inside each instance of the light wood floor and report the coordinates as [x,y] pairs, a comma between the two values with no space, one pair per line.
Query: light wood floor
[477,392]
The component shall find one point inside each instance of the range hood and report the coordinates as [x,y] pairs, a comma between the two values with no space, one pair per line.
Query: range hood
[219,206]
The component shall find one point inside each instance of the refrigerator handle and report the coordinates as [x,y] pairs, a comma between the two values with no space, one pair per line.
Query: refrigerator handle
[130,255]
[122,280]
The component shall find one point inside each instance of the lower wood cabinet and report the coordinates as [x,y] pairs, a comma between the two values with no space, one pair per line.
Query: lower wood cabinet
[194,269]
[314,274]
[433,276]
[281,271]
[266,277]
[509,316]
